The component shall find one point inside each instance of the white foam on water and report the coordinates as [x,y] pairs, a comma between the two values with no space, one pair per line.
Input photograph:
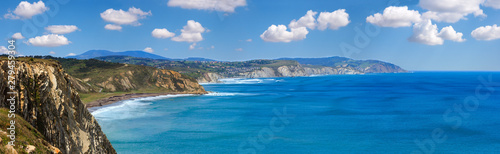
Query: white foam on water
[245,81]
[131,108]
[226,94]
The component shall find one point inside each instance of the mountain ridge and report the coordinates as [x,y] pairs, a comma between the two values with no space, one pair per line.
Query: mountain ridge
[100,53]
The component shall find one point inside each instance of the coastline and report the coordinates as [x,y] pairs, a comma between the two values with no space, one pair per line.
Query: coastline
[115,99]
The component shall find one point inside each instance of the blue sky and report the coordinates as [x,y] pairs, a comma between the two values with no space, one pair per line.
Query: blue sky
[225,30]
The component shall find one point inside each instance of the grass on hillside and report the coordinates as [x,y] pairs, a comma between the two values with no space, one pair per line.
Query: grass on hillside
[25,134]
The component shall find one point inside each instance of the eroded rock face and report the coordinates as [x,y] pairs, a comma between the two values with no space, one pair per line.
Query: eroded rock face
[49,102]
[283,71]
[137,78]
[210,78]
[176,82]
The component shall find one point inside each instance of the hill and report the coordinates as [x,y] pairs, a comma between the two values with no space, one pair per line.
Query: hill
[211,71]
[100,53]
[95,79]
[366,66]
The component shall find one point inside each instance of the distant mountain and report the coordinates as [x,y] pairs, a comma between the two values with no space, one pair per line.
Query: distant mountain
[198,59]
[101,53]
[366,66]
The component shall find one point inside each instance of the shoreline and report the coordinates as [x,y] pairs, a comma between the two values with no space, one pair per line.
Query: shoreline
[115,99]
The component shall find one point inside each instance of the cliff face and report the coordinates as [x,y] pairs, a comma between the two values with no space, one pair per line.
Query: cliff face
[210,78]
[365,66]
[49,102]
[112,77]
[384,68]
[284,71]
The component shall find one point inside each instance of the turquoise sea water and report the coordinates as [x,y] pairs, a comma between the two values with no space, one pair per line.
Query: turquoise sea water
[440,112]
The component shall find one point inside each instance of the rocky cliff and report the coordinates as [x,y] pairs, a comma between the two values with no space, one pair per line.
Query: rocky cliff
[49,102]
[365,66]
[283,71]
[90,76]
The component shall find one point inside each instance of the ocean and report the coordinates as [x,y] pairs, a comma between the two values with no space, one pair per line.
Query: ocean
[420,112]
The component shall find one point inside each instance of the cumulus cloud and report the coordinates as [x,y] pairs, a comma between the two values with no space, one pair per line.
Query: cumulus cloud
[448,33]
[121,17]
[51,40]
[486,33]
[27,10]
[148,49]
[307,20]
[71,54]
[192,46]
[61,29]
[394,16]
[162,33]
[17,36]
[238,49]
[4,50]
[298,28]
[280,34]
[427,33]
[249,40]
[492,3]
[451,11]
[333,20]
[190,33]
[217,5]
[113,27]
[52,52]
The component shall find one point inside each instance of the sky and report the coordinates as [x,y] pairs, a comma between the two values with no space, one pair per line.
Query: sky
[430,35]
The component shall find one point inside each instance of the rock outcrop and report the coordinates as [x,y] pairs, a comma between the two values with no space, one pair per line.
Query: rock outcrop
[283,71]
[50,103]
[113,77]
[210,78]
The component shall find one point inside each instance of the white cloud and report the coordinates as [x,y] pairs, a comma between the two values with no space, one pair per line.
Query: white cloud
[166,49]
[71,54]
[120,17]
[394,16]
[333,20]
[307,20]
[249,40]
[149,49]
[492,3]
[113,27]
[51,40]
[212,47]
[448,33]
[280,34]
[162,33]
[486,33]
[27,10]
[238,49]
[61,29]
[17,36]
[52,52]
[451,11]
[190,33]
[4,50]
[427,33]
[192,46]
[217,5]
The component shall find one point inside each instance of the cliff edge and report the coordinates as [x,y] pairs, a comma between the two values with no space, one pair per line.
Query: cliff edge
[48,101]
